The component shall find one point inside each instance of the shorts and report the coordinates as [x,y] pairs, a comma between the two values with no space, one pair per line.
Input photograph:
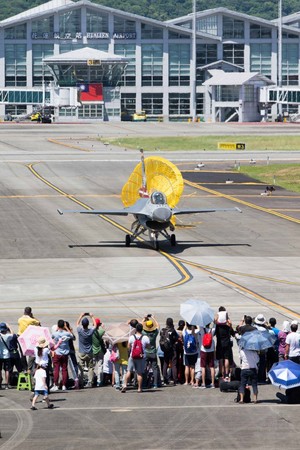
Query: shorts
[190,360]
[207,359]
[225,353]
[43,392]
[139,365]
[5,364]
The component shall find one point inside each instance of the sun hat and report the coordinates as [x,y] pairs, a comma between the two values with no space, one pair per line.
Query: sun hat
[294,322]
[149,325]
[42,343]
[286,326]
[260,319]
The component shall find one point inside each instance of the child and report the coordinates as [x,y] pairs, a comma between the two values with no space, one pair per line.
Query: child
[40,388]
[108,373]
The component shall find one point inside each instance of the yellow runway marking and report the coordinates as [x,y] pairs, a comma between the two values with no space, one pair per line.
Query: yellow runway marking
[242,202]
[244,289]
[64,144]
[185,276]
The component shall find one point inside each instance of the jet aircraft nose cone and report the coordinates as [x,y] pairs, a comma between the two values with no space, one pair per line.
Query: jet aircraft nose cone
[162,215]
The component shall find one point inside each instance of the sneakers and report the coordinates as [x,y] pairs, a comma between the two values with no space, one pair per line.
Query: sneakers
[33,408]
[64,388]
[54,388]
[211,386]
[202,386]
[51,406]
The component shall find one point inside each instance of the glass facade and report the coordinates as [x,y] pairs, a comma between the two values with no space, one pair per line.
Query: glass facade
[126,26]
[260,58]
[179,64]
[128,51]
[128,103]
[159,56]
[18,32]
[150,32]
[15,65]
[234,53]
[233,28]
[227,93]
[24,97]
[96,22]
[259,32]
[179,104]
[70,23]
[42,28]
[152,64]
[290,64]
[41,73]
[90,112]
[152,103]
[206,54]
[208,25]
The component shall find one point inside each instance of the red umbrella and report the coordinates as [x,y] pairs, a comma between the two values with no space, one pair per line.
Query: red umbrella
[29,338]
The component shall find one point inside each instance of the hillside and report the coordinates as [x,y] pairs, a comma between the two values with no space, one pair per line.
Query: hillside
[169,9]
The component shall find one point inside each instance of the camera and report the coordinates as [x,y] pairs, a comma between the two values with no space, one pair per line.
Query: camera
[149,316]
[86,314]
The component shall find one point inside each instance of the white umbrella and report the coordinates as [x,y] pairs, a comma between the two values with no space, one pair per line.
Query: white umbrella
[118,332]
[196,312]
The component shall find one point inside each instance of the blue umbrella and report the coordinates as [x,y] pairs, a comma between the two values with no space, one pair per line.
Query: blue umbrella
[257,340]
[285,374]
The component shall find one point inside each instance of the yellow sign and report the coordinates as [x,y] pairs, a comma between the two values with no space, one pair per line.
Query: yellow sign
[231,146]
[93,62]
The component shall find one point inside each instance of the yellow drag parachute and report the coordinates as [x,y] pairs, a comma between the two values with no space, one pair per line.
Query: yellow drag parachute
[161,175]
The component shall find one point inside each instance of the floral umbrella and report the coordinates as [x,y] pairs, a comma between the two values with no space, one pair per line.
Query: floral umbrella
[29,338]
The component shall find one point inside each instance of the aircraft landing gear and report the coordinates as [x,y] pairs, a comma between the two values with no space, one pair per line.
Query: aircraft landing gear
[127,240]
[173,240]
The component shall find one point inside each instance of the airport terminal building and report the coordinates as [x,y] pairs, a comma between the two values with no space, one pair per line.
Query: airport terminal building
[88,61]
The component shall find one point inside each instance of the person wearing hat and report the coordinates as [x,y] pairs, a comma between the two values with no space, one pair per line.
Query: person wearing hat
[99,350]
[5,335]
[85,341]
[42,356]
[260,323]
[151,329]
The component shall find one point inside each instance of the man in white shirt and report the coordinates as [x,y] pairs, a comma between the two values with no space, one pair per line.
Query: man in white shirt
[137,363]
[292,347]
[249,360]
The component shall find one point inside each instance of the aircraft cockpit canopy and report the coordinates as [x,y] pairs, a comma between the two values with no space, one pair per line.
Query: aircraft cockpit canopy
[158,198]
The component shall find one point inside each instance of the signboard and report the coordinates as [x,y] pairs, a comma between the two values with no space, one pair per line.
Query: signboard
[93,62]
[231,146]
[79,35]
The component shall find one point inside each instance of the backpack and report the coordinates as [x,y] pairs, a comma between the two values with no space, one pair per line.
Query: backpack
[164,341]
[190,345]
[115,354]
[247,396]
[137,348]
[207,340]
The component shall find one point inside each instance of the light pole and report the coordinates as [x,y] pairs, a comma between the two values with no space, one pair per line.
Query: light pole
[194,66]
[279,54]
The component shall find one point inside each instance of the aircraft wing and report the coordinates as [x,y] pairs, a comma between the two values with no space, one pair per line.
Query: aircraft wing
[177,211]
[110,212]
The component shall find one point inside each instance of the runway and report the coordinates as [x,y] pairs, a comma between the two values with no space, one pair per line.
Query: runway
[64,265]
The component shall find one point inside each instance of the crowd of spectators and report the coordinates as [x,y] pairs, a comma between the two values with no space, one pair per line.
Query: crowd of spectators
[150,357]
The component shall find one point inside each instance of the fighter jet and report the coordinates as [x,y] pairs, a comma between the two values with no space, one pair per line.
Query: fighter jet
[151,212]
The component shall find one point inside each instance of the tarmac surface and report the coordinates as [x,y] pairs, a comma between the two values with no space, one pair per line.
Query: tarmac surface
[63,265]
